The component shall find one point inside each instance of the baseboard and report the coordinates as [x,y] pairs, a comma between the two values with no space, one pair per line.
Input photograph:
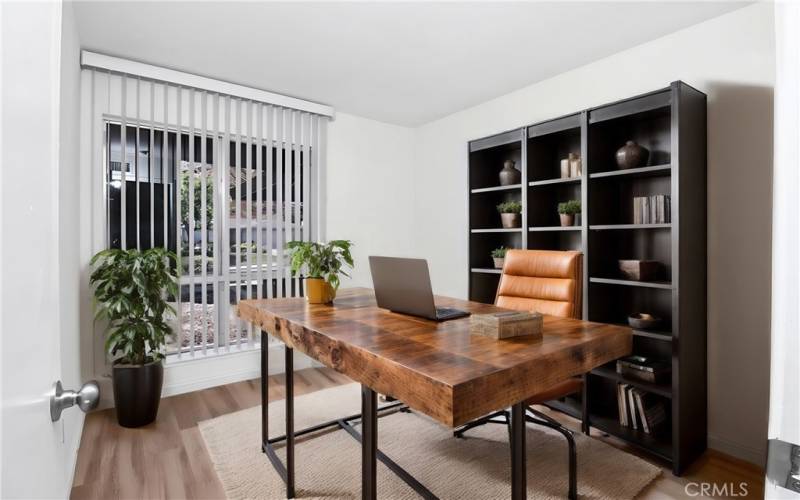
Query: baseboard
[201,373]
[738,450]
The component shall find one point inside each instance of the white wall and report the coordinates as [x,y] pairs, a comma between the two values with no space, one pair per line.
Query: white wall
[370,190]
[731,59]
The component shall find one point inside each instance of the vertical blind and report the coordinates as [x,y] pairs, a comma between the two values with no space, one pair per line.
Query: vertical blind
[222,180]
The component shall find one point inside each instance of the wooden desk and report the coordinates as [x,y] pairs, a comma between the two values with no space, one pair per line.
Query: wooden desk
[436,368]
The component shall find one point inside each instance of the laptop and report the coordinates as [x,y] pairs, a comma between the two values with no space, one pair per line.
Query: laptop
[404,286]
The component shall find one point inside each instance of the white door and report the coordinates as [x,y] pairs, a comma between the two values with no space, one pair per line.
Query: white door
[37,347]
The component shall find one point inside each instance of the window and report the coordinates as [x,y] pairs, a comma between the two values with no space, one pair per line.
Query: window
[228,225]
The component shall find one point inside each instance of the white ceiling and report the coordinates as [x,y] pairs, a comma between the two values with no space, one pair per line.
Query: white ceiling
[403,63]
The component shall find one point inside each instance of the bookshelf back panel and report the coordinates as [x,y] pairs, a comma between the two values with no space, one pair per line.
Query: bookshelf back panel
[482,244]
[555,240]
[652,348]
[650,129]
[483,212]
[612,202]
[645,244]
[484,287]
[614,303]
[485,165]
[546,152]
[543,203]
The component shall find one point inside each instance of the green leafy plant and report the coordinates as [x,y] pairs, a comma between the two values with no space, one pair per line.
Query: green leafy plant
[510,207]
[570,207]
[322,260]
[130,290]
[499,253]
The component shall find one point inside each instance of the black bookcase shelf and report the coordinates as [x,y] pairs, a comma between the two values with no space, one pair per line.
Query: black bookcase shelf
[497,188]
[485,270]
[671,123]
[555,228]
[652,334]
[647,284]
[606,227]
[657,170]
[548,182]
[497,230]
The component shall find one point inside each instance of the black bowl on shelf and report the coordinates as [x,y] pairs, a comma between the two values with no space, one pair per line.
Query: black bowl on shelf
[643,321]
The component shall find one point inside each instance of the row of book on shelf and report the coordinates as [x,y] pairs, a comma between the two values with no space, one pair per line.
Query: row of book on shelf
[652,209]
[640,410]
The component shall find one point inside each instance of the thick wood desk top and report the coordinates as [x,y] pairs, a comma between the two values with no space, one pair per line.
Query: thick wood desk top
[436,368]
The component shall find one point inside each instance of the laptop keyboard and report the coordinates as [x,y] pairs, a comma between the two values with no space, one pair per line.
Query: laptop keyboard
[448,312]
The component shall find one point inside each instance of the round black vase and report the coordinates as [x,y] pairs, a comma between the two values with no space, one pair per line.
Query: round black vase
[137,392]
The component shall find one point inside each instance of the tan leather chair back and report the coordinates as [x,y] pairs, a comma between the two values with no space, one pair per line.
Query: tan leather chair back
[546,281]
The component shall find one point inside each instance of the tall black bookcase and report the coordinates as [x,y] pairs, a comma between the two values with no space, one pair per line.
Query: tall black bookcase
[671,123]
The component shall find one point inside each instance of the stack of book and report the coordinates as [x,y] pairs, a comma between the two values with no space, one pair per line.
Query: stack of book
[640,410]
[643,368]
[652,209]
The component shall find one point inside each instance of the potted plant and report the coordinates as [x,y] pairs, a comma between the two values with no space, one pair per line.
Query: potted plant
[499,256]
[510,213]
[567,211]
[130,290]
[324,263]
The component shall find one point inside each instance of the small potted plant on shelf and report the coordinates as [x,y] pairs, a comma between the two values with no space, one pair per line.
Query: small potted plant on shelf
[510,214]
[567,211]
[131,289]
[324,263]
[499,256]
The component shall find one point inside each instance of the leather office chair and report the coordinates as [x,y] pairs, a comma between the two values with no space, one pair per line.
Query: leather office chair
[549,282]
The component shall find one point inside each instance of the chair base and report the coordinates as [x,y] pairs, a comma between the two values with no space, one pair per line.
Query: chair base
[503,417]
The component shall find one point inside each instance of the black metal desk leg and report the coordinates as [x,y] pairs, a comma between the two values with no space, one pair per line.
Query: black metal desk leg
[585,405]
[518,469]
[289,421]
[369,443]
[264,389]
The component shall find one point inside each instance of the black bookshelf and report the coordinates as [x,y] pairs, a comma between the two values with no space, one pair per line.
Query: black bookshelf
[671,123]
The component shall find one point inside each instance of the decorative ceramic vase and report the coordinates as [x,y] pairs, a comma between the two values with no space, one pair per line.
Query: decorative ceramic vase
[319,291]
[510,175]
[498,262]
[632,155]
[567,219]
[510,221]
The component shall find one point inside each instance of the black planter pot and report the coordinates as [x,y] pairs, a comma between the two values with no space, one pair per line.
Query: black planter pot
[137,392]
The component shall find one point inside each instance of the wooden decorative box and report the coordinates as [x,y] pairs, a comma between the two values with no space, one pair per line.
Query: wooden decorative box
[639,270]
[506,324]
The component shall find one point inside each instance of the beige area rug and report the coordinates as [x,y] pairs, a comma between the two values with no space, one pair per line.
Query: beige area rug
[328,464]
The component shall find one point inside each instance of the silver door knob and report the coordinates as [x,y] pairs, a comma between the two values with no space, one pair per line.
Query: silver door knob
[86,398]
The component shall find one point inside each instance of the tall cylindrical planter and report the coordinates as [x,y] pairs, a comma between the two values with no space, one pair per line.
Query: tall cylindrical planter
[137,392]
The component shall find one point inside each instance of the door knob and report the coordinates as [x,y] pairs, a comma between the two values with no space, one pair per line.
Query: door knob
[86,398]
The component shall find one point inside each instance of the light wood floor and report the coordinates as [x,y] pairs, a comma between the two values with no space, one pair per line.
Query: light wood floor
[168,459]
